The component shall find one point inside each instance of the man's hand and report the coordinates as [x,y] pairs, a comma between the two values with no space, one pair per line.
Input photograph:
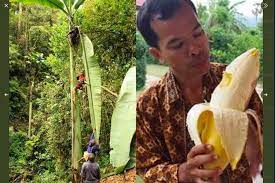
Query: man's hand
[190,170]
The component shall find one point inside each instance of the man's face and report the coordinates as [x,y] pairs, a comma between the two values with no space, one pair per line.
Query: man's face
[182,43]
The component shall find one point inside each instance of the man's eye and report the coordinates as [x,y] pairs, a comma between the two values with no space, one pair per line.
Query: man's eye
[198,34]
[177,45]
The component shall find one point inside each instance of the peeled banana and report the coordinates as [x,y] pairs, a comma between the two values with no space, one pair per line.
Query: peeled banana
[238,82]
[223,122]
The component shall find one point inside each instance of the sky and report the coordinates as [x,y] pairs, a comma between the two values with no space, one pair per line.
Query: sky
[244,8]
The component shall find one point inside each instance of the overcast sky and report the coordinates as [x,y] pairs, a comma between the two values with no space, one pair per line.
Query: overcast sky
[245,8]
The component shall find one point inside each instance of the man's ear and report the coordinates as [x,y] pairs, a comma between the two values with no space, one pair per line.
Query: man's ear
[156,53]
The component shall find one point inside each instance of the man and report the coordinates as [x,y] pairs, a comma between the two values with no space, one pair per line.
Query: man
[165,151]
[93,147]
[90,171]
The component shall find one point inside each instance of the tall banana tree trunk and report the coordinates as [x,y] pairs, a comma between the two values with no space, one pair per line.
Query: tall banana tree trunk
[75,119]
[30,107]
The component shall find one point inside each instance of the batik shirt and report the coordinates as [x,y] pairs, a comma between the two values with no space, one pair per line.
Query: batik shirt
[163,141]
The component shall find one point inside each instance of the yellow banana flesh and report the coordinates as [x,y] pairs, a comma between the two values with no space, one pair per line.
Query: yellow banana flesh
[209,135]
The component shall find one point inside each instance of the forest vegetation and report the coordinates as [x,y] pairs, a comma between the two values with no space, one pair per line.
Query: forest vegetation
[43,78]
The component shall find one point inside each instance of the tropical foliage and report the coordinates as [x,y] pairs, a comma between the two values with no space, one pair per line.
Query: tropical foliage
[44,59]
[228,35]
[141,60]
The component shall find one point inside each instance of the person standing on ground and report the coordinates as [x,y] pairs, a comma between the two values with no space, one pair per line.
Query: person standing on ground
[90,171]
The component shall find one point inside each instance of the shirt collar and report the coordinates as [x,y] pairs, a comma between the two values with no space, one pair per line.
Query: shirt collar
[172,89]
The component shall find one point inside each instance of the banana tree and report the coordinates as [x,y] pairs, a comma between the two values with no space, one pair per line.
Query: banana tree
[69,8]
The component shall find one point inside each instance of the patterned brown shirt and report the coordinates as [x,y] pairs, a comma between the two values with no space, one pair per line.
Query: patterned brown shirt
[163,141]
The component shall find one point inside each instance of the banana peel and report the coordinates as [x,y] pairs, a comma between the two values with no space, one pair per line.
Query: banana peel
[238,82]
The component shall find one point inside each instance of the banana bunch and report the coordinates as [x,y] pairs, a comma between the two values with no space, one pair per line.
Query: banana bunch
[223,122]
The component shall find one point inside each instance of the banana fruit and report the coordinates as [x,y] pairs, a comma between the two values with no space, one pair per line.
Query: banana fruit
[223,122]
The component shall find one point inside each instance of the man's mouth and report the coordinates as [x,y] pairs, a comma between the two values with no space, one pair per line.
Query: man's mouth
[199,63]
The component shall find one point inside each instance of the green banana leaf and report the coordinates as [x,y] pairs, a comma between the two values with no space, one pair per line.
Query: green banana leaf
[73,5]
[59,4]
[132,162]
[77,3]
[93,80]
[69,7]
[123,124]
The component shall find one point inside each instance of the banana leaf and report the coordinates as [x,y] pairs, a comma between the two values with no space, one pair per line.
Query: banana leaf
[69,7]
[73,5]
[59,4]
[132,162]
[93,83]
[123,124]
[77,3]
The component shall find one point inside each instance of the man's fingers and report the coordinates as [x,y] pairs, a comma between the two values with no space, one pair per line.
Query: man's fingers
[201,160]
[199,149]
[201,173]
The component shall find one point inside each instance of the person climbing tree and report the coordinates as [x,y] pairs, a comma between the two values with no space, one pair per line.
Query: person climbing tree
[90,170]
[74,36]
[80,81]
[93,147]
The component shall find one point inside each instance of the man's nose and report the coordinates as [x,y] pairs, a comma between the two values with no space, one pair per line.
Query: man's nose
[194,49]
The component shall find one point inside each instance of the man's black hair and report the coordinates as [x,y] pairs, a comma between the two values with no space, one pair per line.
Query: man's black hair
[165,9]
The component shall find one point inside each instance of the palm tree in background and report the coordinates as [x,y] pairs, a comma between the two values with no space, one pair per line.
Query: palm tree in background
[220,13]
[257,10]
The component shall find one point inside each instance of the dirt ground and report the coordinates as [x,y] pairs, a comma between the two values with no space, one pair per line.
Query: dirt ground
[127,177]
